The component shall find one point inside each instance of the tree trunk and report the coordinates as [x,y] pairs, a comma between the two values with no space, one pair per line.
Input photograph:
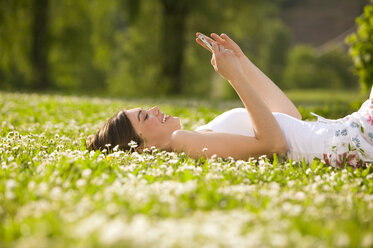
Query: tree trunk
[173,44]
[40,44]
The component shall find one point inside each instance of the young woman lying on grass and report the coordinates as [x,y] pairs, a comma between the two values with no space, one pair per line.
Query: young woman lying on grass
[269,123]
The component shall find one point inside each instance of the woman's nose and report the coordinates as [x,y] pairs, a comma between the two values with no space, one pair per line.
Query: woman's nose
[154,110]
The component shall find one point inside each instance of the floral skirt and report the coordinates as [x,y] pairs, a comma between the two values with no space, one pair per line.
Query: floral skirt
[346,144]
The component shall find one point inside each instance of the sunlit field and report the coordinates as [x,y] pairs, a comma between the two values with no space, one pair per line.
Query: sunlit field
[54,193]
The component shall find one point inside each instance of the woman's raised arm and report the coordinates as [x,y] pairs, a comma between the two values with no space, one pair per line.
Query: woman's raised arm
[268,135]
[271,94]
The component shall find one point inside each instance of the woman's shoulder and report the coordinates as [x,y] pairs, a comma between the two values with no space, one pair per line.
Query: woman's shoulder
[183,140]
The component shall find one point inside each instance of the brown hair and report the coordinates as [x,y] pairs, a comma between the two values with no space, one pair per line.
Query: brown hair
[118,130]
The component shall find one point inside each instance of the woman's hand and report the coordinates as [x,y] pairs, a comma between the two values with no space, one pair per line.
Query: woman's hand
[228,43]
[201,42]
[225,62]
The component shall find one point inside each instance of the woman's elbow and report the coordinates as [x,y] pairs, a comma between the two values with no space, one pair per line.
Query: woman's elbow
[279,146]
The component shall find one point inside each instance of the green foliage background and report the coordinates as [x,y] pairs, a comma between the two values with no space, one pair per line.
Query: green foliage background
[117,47]
[362,47]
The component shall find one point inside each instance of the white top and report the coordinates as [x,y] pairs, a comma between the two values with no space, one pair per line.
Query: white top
[306,139]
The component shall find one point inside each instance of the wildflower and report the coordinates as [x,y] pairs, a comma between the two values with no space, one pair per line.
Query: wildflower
[86,173]
[115,149]
[10,159]
[132,144]
[10,183]
[80,183]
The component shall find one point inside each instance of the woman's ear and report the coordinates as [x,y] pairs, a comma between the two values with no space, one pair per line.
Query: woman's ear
[142,146]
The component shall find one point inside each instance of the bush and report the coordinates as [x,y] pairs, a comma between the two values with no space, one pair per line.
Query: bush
[361,48]
[336,69]
[307,69]
[301,70]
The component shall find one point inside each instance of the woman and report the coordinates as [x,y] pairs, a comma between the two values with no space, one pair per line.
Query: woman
[270,123]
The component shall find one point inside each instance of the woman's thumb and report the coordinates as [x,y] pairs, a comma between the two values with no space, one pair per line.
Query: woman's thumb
[215,47]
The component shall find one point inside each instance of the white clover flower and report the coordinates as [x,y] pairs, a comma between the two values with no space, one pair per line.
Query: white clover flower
[300,196]
[91,154]
[31,185]
[112,208]
[80,182]
[132,144]
[41,189]
[367,240]
[9,195]
[341,240]
[56,193]
[10,184]
[86,173]
[204,149]
[89,225]
[115,149]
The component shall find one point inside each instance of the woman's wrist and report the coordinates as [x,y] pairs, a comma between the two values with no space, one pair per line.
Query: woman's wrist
[237,78]
[244,60]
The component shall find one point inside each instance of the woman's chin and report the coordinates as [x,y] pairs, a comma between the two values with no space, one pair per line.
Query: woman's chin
[179,125]
[176,123]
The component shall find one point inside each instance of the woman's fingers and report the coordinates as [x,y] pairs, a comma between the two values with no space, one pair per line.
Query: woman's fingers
[228,40]
[202,44]
[206,37]
[215,47]
[226,37]
[217,38]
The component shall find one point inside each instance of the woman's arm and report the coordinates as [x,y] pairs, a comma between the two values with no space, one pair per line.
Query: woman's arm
[198,144]
[268,135]
[271,94]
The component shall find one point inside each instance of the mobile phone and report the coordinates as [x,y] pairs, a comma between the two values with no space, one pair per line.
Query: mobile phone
[204,40]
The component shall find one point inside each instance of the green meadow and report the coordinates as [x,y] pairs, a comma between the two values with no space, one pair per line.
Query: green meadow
[55,193]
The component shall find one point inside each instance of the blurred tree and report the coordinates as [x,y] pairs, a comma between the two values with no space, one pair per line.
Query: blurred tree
[305,69]
[361,48]
[14,44]
[174,20]
[301,70]
[131,47]
[177,19]
[40,44]
[249,23]
[336,69]
[174,16]
[274,50]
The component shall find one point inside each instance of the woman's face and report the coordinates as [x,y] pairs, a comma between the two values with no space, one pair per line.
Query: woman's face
[153,126]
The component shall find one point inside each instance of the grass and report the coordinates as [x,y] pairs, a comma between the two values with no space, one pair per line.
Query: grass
[54,193]
[316,97]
